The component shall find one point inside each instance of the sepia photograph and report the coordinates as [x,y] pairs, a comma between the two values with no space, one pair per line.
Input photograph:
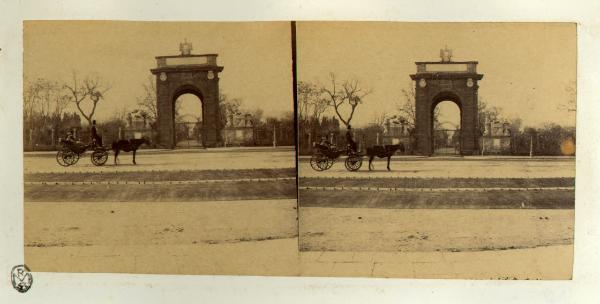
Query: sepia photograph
[159,147]
[437,150]
[299,152]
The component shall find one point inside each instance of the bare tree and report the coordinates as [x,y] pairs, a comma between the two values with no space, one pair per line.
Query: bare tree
[257,115]
[311,105]
[570,104]
[91,88]
[380,119]
[61,103]
[147,102]
[407,108]
[304,96]
[230,108]
[348,94]
[31,98]
[487,114]
[121,113]
[44,98]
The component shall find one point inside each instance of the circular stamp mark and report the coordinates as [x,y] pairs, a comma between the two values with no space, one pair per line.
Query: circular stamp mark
[21,278]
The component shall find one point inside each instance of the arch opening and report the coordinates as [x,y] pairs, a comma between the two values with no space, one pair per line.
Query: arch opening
[446,120]
[188,120]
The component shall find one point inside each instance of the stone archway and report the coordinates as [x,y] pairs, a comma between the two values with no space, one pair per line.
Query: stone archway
[188,74]
[446,140]
[189,131]
[440,81]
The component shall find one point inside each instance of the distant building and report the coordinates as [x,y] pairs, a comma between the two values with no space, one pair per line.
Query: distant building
[496,138]
[138,126]
[239,130]
[397,133]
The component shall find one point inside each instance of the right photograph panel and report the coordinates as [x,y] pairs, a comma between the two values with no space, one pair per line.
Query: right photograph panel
[436,150]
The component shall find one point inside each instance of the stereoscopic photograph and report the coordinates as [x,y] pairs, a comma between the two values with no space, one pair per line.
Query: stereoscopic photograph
[436,150]
[413,150]
[159,147]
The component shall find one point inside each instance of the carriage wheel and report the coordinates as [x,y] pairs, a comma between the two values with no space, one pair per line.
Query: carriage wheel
[71,157]
[60,158]
[327,164]
[99,157]
[353,162]
[319,162]
[68,157]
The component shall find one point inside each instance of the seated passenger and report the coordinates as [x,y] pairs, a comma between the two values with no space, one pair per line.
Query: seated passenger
[324,142]
[73,143]
[70,139]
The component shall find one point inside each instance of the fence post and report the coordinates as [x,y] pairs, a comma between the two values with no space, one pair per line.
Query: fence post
[274,136]
[377,141]
[120,133]
[482,145]
[531,146]
[52,135]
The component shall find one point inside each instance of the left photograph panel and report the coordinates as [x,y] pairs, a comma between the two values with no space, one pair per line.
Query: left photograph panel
[159,147]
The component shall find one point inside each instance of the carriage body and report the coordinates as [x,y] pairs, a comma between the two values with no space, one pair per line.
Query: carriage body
[70,152]
[324,157]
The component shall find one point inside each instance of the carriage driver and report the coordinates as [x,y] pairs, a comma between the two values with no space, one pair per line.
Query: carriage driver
[351,143]
[96,139]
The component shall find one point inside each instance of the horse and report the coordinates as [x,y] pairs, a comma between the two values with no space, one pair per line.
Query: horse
[128,146]
[383,151]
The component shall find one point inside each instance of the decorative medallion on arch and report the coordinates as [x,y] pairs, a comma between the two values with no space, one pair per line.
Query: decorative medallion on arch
[188,74]
[446,81]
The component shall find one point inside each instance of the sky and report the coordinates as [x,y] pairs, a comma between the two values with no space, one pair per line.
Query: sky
[256,57]
[527,66]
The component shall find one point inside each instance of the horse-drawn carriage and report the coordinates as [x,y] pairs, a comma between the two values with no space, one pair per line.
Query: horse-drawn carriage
[71,151]
[325,156]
